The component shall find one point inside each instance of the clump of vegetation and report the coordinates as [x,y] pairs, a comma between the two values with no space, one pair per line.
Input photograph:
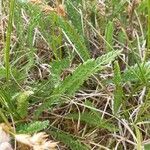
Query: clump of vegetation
[75,74]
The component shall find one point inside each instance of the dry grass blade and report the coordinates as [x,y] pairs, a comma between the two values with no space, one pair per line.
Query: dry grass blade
[59,9]
[38,141]
[4,138]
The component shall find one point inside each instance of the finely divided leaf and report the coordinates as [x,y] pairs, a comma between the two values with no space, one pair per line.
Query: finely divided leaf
[118,94]
[22,103]
[33,127]
[68,139]
[73,82]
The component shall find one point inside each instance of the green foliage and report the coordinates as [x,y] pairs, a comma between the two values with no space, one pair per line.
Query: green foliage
[22,103]
[94,119]
[2,72]
[72,142]
[109,35]
[57,68]
[6,102]
[90,28]
[118,94]
[75,15]
[32,127]
[137,73]
[8,38]
[142,114]
[76,40]
[73,82]
[146,146]
[139,137]
[68,29]
[147,55]
[143,6]
[26,32]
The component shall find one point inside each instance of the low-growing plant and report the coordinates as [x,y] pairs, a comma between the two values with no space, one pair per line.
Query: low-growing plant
[77,70]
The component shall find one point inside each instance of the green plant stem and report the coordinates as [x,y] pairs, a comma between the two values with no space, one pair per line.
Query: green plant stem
[147,54]
[139,138]
[148,24]
[8,39]
[4,118]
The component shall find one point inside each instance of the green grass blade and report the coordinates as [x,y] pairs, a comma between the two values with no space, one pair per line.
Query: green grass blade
[8,39]
[139,138]
[75,39]
[148,39]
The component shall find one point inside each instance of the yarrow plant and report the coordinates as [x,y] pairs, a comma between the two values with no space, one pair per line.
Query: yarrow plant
[76,72]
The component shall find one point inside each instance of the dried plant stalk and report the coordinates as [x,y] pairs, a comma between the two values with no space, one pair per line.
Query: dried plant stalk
[59,9]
